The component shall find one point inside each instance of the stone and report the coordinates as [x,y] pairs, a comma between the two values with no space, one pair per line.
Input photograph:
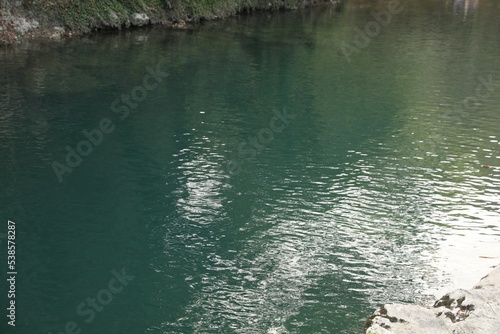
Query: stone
[22,26]
[139,19]
[474,311]
[57,33]
[179,25]
[113,16]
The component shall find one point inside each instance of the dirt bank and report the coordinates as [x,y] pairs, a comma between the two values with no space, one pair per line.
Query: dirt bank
[28,19]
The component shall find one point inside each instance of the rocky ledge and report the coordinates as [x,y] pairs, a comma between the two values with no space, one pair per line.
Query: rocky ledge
[24,20]
[459,312]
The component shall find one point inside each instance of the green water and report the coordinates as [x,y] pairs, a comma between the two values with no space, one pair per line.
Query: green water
[369,188]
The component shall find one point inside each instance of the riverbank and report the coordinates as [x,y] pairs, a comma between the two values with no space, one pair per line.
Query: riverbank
[461,311]
[20,20]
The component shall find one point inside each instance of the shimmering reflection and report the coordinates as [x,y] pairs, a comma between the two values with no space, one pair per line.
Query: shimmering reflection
[200,199]
[381,223]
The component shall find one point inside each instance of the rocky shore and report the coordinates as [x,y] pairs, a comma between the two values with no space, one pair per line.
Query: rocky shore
[28,19]
[474,311]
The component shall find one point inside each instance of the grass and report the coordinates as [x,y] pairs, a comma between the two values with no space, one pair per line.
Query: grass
[87,15]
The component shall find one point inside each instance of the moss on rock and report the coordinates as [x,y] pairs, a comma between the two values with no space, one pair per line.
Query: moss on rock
[77,17]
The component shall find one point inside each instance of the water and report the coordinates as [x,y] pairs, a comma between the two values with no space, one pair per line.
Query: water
[371,191]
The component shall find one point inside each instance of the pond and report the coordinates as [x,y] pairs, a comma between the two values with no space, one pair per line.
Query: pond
[274,173]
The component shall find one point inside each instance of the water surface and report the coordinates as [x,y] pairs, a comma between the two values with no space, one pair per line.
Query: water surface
[372,191]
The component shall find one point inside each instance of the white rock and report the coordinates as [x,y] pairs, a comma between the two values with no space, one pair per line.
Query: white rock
[22,25]
[139,19]
[112,15]
[474,311]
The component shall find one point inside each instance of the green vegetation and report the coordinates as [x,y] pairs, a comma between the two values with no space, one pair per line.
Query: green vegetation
[54,18]
[87,15]
[84,16]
